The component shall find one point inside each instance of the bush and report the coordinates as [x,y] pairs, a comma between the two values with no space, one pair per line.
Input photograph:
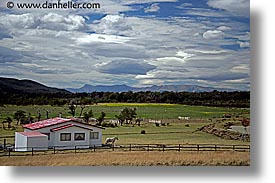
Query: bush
[142,132]
[157,124]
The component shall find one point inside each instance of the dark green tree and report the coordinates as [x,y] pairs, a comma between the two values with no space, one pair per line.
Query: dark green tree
[72,109]
[88,115]
[8,120]
[126,115]
[101,118]
[19,116]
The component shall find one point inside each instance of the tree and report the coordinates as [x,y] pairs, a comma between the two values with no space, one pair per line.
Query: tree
[101,118]
[39,116]
[82,108]
[19,116]
[126,115]
[7,120]
[72,109]
[88,115]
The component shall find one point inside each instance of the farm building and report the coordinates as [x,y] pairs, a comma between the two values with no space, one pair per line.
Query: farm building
[65,133]
[26,141]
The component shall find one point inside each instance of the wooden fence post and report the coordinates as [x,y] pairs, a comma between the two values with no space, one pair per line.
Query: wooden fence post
[179,147]
[130,147]
[32,151]
[5,142]
[53,149]
[94,148]
[215,147]
[233,147]
[9,152]
[198,147]
[148,147]
[163,148]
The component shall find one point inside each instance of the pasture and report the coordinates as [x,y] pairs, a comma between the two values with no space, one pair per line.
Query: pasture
[174,132]
[144,110]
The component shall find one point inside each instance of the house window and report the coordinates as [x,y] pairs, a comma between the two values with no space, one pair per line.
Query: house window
[48,134]
[79,136]
[94,135]
[65,137]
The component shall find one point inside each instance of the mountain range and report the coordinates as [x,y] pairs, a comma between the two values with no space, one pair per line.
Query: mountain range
[124,88]
[11,85]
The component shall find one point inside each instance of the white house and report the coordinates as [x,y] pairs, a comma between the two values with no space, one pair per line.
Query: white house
[67,133]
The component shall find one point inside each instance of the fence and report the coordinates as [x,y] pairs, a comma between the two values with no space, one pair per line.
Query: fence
[23,151]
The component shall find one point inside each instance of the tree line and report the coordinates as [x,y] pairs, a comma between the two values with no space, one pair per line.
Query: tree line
[126,116]
[214,98]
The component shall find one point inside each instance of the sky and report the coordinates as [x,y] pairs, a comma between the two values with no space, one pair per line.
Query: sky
[134,42]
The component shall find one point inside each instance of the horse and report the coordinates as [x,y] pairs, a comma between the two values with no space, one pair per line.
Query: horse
[112,140]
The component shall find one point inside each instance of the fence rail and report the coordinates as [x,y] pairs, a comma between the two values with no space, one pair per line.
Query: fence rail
[23,151]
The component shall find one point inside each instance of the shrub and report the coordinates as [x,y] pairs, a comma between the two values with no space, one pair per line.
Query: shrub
[157,124]
[142,132]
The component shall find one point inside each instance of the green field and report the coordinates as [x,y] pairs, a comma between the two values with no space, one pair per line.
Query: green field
[149,111]
[174,133]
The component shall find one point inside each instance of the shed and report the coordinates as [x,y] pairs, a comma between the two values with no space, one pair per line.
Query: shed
[26,141]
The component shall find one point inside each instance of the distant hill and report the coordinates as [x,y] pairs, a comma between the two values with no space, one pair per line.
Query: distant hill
[124,88]
[11,85]
[101,88]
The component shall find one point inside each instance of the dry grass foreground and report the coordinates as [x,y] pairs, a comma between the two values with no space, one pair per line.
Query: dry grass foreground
[133,159]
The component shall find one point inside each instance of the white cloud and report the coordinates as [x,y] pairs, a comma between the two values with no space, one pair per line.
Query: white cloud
[50,21]
[64,45]
[243,44]
[213,34]
[224,28]
[153,8]
[235,7]
[100,38]
[127,2]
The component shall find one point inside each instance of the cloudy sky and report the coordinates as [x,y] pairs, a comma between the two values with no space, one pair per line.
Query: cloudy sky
[133,42]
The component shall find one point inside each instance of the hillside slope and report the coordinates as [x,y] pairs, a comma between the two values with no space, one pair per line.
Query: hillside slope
[11,85]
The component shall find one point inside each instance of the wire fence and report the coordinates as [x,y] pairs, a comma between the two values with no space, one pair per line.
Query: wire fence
[32,151]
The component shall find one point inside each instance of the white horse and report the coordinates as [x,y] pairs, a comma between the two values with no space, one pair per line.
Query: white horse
[112,140]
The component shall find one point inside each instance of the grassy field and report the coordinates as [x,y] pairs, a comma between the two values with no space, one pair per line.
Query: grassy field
[133,159]
[177,132]
[174,133]
[152,111]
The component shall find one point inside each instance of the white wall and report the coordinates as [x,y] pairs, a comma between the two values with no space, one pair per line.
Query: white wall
[96,142]
[20,142]
[37,143]
[72,143]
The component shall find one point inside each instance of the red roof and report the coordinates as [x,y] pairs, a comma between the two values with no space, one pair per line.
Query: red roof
[54,121]
[68,126]
[32,134]
[46,123]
